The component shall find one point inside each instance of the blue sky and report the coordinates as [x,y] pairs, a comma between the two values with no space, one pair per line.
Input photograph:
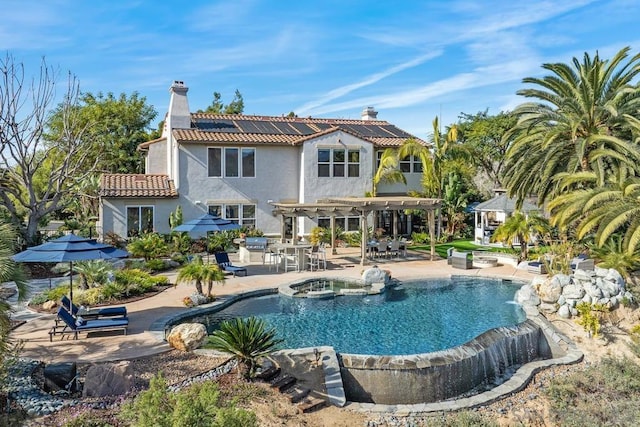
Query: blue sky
[411,60]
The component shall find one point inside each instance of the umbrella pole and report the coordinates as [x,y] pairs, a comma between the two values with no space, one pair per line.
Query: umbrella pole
[70,286]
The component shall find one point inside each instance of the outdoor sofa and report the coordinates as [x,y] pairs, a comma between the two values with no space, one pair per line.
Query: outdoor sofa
[461,260]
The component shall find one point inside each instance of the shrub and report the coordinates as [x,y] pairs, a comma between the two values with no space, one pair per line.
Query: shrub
[156,265]
[590,317]
[603,394]
[198,405]
[91,296]
[149,246]
[419,238]
[53,294]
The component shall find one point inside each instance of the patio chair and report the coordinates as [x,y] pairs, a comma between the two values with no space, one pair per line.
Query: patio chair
[74,325]
[93,314]
[222,258]
[394,248]
[461,260]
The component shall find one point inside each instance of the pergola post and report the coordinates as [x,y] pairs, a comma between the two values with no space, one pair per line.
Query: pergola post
[395,224]
[365,237]
[283,228]
[332,220]
[432,237]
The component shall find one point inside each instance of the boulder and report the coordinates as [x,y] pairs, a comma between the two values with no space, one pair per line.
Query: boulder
[108,379]
[60,376]
[600,272]
[49,305]
[527,295]
[187,336]
[374,275]
[563,279]
[550,291]
[615,277]
[592,290]
[573,292]
[564,311]
[583,275]
[548,308]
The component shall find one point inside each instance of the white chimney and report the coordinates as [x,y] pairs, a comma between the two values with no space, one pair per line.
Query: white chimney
[369,113]
[178,117]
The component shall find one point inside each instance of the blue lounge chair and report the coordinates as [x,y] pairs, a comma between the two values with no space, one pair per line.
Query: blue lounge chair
[93,314]
[222,258]
[74,325]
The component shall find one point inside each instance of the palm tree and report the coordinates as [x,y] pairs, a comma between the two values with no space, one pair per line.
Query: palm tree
[193,272]
[613,254]
[520,227]
[9,272]
[582,121]
[607,209]
[212,273]
[388,170]
[246,340]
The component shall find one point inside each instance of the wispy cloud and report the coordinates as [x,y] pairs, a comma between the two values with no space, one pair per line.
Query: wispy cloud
[487,76]
[374,78]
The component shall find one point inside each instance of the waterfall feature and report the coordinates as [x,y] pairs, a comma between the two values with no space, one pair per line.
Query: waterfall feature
[481,363]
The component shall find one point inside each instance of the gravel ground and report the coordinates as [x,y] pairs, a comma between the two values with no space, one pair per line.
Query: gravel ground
[175,366]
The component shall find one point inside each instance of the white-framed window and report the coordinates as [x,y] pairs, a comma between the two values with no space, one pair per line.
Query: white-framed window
[347,223]
[411,164]
[338,162]
[232,161]
[243,214]
[139,220]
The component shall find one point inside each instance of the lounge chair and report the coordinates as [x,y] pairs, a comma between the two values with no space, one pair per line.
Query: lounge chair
[222,258]
[73,325]
[96,313]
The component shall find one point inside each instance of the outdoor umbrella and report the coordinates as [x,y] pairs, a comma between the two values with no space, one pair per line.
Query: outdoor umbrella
[69,248]
[206,224]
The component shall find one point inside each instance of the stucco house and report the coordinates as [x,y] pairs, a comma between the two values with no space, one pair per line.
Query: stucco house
[235,166]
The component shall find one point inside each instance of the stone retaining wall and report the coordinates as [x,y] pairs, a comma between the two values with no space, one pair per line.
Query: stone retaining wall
[440,375]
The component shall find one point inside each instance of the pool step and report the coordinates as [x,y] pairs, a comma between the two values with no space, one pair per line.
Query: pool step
[268,374]
[297,393]
[284,382]
[310,404]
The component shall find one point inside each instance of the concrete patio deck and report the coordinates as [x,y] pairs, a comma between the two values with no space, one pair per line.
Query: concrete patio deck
[139,342]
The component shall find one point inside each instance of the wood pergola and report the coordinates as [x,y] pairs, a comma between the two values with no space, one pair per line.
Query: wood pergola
[362,206]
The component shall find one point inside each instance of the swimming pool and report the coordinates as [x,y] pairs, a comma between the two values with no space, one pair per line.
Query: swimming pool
[417,317]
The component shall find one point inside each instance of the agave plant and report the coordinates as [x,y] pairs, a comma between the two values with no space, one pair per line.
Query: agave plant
[246,340]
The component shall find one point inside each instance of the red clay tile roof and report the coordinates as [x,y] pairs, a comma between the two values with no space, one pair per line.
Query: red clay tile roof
[274,130]
[137,185]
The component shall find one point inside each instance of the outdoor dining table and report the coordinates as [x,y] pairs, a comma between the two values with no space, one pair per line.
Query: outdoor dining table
[374,244]
[299,250]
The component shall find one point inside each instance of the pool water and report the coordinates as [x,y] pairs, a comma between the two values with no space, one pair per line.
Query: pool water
[416,317]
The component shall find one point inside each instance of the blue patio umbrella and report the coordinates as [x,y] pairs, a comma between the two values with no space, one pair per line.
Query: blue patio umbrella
[69,248]
[205,224]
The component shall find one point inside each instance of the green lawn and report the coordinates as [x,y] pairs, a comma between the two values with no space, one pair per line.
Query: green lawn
[460,245]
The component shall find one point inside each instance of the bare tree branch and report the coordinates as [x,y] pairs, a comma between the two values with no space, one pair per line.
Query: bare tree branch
[38,168]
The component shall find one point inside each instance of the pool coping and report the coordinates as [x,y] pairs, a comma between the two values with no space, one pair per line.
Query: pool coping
[517,382]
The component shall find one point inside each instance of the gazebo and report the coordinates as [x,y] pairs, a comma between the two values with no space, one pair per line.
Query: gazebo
[490,214]
[362,206]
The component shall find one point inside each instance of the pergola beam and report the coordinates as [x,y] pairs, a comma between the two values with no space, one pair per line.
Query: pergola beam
[362,206]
